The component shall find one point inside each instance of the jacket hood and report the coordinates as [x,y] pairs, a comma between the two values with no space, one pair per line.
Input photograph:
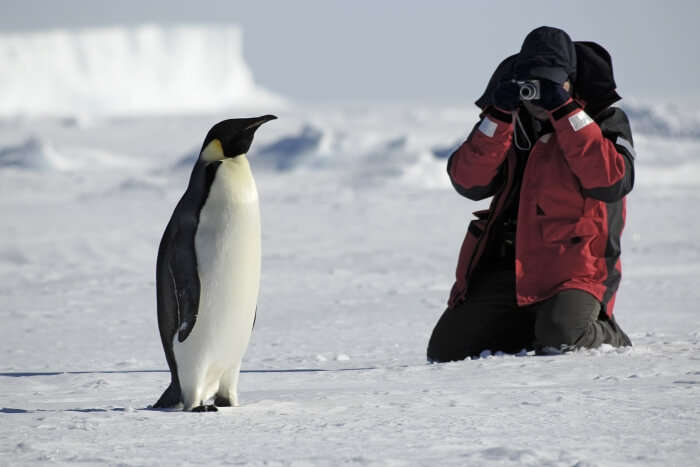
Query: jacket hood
[594,82]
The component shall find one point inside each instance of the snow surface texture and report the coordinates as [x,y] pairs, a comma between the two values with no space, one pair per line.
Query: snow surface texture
[361,231]
[360,238]
[153,69]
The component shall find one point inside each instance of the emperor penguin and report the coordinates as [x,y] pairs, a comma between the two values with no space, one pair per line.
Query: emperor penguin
[208,272]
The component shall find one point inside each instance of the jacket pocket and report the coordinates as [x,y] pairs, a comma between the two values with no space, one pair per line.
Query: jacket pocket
[566,231]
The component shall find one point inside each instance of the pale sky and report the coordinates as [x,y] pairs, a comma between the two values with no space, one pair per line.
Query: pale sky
[409,50]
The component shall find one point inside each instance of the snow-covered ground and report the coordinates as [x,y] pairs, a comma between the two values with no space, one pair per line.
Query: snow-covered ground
[361,231]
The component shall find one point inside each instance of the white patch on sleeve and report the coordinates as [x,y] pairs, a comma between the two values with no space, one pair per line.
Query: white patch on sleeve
[620,141]
[580,120]
[488,127]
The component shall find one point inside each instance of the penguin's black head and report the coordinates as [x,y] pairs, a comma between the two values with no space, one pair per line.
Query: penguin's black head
[231,138]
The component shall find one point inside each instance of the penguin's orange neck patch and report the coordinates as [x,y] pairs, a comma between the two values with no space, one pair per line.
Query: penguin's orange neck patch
[212,152]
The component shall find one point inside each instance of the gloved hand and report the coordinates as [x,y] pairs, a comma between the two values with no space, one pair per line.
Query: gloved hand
[507,96]
[552,95]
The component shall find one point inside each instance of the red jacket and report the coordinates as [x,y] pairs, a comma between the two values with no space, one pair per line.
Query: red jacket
[572,202]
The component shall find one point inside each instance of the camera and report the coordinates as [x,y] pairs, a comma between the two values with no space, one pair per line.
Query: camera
[529,89]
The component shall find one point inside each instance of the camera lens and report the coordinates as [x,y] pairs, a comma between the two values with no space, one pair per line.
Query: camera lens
[528,91]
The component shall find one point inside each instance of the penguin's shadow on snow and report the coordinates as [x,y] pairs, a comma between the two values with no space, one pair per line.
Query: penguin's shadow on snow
[20,374]
[10,410]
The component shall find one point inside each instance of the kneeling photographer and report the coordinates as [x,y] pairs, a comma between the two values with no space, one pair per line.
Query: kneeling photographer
[540,268]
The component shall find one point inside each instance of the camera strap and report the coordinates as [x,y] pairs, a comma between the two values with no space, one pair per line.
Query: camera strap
[519,125]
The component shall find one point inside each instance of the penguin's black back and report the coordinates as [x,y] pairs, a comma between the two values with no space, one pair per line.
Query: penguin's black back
[177,279]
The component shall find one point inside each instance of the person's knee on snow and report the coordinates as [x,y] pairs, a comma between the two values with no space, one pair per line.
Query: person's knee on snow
[555,330]
[568,320]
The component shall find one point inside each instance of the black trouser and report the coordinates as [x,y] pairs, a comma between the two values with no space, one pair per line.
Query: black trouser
[490,319]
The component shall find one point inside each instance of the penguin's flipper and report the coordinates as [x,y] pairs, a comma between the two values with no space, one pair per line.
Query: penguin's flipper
[182,264]
[168,313]
[186,288]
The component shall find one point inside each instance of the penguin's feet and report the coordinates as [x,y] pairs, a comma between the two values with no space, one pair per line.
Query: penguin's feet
[205,408]
[221,401]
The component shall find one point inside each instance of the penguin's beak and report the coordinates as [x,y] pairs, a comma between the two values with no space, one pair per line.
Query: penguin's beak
[259,121]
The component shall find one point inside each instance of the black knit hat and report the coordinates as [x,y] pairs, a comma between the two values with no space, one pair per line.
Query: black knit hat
[547,53]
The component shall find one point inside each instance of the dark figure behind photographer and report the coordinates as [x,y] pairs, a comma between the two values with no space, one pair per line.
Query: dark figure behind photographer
[540,268]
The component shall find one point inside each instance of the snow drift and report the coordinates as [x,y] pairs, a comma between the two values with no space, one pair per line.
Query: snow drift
[663,119]
[386,145]
[288,151]
[126,71]
[32,154]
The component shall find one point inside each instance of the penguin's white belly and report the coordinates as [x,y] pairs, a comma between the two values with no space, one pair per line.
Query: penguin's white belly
[227,245]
